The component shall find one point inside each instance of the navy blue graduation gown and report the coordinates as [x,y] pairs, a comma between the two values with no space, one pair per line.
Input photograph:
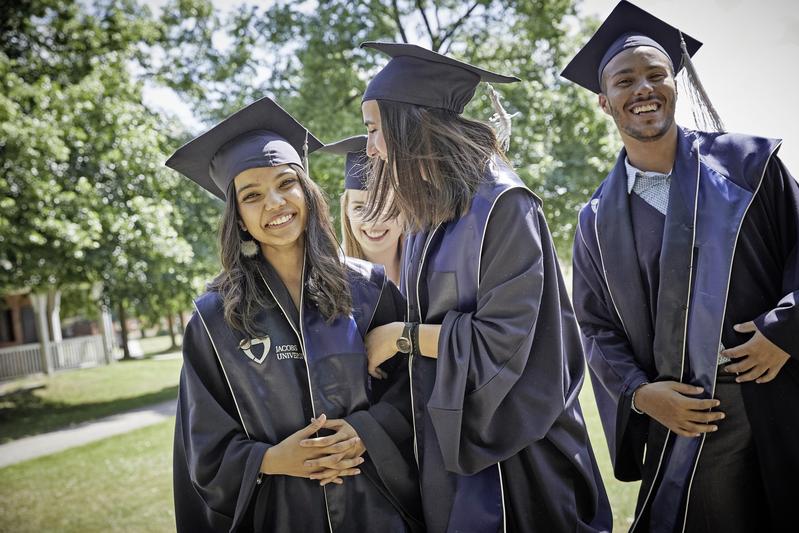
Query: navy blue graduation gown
[234,404]
[500,438]
[729,255]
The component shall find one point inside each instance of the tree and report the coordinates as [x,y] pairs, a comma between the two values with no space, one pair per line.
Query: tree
[86,198]
[307,56]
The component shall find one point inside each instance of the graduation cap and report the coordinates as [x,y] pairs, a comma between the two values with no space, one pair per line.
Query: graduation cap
[419,76]
[262,134]
[354,148]
[629,26]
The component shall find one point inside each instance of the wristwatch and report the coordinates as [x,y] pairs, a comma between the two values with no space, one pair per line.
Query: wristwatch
[405,343]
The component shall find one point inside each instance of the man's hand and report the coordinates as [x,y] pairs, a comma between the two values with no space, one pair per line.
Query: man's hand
[381,345]
[338,454]
[762,361]
[668,403]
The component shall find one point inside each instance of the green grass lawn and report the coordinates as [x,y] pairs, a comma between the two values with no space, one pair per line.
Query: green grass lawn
[122,483]
[622,495]
[158,345]
[36,405]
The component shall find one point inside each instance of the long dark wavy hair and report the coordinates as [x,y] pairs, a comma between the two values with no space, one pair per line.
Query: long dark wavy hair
[240,284]
[436,160]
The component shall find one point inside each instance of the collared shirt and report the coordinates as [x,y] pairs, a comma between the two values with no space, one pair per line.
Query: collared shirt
[651,187]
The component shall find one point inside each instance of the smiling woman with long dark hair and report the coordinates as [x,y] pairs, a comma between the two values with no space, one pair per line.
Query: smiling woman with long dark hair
[239,284]
[276,343]
[496,362]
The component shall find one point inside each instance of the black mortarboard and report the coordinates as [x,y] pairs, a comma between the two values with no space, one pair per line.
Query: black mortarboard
[416,75]
[259,135]
[354,148]
[627,26]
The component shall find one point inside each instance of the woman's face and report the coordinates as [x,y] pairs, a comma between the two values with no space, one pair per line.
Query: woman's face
[271,205]
[376,143]
[375,237]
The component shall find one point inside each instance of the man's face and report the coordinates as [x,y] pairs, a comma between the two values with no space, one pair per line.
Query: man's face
[639,92]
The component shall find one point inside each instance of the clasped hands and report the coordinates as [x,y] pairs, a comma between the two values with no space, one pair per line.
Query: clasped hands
[327,459]
[671,404]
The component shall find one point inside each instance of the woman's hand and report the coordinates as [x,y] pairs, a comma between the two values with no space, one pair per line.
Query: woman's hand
[290,458]
[381,345]
[339,453]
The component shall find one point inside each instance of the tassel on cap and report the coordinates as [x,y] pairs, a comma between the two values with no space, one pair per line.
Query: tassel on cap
[305,153]
[501,119]
[705,115]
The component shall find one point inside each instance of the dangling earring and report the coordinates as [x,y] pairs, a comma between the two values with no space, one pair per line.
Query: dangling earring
[247,247]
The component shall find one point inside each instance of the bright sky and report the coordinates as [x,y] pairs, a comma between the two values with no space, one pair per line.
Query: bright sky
[749,63]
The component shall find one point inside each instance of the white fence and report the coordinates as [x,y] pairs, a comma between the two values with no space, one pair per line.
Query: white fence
[19,361]
[79,352]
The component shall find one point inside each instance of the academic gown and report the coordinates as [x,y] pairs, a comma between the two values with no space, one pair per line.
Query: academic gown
[235,402]
[500,438]
[728,256]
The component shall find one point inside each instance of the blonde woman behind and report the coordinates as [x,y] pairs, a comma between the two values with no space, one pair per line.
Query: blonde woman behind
[378,241]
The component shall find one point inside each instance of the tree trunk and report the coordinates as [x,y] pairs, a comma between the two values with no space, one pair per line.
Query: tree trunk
[182,322]
[171,323]
[106,324]
[54,319]
[39,303]
[124,330]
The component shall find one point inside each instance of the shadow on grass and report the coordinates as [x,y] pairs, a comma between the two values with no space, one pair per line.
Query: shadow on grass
[162,352]
[23,413]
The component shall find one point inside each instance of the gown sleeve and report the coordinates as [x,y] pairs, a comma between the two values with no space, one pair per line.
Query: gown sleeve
[221,461]
[614,369]
[385,427]
[781,190]
[495,392]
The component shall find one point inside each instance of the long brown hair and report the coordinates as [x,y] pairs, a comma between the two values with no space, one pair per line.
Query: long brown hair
[240,284]
[436,160]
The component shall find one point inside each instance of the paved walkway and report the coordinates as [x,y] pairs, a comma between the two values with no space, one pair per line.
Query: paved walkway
[56,441]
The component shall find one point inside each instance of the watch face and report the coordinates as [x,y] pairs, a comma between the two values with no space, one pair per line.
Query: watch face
[404,345]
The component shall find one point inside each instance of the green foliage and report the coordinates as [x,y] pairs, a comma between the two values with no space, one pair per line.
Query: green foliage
[85,196]
[307,57]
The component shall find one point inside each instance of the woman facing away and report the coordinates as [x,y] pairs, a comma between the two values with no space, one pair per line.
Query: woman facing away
[495,357]
[377,241]
[277,427]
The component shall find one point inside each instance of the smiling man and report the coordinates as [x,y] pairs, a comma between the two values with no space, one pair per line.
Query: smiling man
[686,281]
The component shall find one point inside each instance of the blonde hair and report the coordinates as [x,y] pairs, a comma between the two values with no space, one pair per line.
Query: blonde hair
[351,246]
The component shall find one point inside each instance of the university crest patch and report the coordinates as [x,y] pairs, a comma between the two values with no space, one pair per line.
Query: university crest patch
[248,346]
